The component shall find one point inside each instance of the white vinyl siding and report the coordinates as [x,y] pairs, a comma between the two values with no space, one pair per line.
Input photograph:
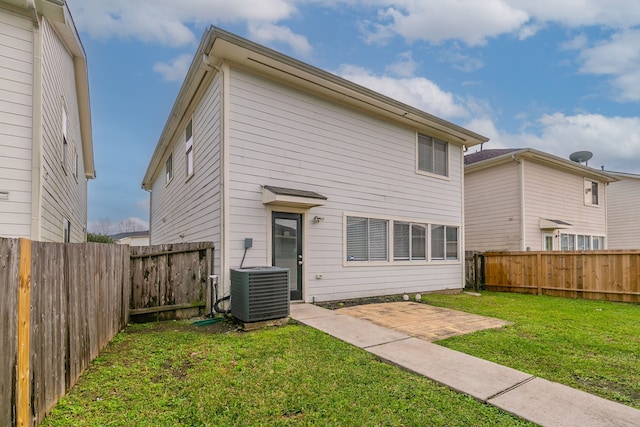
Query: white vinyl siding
[190,211]
[492,209]
[64,195]
[364,165]
[16,118]
[623,213]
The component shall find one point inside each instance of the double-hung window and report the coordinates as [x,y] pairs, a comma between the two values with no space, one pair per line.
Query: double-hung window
[409,241]
[168,167]
[65,140]
[189,147]
[444,242]
[433,155]
[591,196]
[367,239]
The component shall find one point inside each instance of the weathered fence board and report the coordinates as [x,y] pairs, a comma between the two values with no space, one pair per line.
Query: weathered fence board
[78,301]
[9,259]
[170,281]
[609,275]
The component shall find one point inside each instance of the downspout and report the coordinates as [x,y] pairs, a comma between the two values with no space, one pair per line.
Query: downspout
[462,223]
[606,217]
[225,250]
[36,126]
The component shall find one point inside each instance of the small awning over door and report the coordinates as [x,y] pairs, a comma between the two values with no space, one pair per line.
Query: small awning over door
[282,196]
[553,224]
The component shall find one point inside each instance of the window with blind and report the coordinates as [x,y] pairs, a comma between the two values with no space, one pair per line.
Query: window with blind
[432,155]
[409,241]
[367,239]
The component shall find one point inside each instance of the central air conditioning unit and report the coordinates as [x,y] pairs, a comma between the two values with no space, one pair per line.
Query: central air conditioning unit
[259,293]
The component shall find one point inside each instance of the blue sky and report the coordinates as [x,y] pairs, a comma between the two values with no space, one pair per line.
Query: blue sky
[558,76]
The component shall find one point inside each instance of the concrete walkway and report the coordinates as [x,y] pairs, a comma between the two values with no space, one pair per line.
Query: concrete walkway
[534,399]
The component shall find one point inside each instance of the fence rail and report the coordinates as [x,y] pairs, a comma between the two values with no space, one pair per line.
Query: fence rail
[611,275]
[61,304]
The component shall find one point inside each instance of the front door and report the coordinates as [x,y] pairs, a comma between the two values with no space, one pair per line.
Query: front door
[287,248]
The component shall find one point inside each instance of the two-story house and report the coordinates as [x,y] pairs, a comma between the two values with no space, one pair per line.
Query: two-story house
[46,149]
[280,163]
[525,199]
[623,211]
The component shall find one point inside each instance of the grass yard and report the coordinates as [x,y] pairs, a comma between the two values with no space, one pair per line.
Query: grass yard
[175,374]
[589,345]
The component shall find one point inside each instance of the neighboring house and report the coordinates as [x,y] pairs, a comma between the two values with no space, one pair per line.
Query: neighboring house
[524,199]
[132,238]
[623,211]
[356,193]
[46,150]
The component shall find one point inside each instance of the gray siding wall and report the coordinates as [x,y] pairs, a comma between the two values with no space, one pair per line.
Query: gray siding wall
[554,194]
[623,206]
[365,166]
[492,209]
[64,194]
[188,210]
[16,80]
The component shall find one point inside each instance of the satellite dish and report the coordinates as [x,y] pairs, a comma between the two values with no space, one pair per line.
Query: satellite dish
[581,156]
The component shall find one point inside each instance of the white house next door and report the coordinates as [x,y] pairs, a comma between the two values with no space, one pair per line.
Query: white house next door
[287,248]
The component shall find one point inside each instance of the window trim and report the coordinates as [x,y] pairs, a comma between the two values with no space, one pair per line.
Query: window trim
[168,169]
[66,230]
[447,165]
[590,194]
[65,138]
[189,161]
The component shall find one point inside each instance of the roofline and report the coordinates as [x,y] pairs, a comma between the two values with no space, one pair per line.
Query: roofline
[218,45]
[624,174]
[545,158]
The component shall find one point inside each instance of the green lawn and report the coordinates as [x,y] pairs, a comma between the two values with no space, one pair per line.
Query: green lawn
[175,374]
[589,345]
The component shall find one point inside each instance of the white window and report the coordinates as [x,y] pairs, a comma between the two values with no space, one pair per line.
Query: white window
[432,155]
[189,147]
[75,164]
[65,139]
[591,193]
[66,231]
[583,243]
[169,169]
[409,241]
[444,242]
[366,239]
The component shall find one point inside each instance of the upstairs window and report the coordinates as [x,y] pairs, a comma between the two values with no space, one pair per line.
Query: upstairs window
[189,147]
[366,239]
[65,139]
[433,155]
[591,193]
[168,167]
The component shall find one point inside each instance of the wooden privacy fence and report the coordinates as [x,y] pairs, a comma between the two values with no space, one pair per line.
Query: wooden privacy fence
[611,275]
[170,281]
[61,304]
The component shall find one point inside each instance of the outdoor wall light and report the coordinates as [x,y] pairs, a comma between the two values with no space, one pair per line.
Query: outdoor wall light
[317,219]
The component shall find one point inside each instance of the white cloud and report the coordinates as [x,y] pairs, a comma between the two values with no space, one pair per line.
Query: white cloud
[578,13]
[166,21]
[267,33]
[418,92]
[614,141]
[618,57]
[472,21]
[404,67]
[175,70]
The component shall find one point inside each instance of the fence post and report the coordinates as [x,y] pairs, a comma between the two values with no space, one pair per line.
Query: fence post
[24,327]
[539,272]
